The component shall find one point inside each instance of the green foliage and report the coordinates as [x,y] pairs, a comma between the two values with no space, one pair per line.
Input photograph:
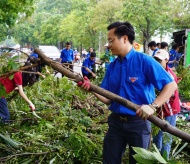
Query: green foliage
[8,64]
[63,134]
[146,21]
[185,83]
[13,10]
[145,156]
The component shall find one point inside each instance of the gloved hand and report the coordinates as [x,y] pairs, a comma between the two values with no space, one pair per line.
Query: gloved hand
[145,111]
[85,84]
[31,105]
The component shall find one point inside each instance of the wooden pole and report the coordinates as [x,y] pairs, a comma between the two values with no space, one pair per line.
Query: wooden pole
[155,120]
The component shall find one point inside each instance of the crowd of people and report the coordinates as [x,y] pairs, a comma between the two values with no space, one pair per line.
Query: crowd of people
[131,75]
[174,55]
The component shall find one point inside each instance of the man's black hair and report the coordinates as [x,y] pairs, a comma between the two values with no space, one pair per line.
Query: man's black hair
[163,45]
[157,59]
[123,28]
[157,44]
[152,43]
[68,43]
[175,46]
[92,54]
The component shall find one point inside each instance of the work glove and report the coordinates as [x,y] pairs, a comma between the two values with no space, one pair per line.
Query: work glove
[145,111]
[31,105]
[85,84]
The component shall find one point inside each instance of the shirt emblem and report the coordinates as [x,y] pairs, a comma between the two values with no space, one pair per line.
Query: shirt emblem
[133,79]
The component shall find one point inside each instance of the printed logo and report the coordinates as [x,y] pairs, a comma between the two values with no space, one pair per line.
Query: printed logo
[133,79]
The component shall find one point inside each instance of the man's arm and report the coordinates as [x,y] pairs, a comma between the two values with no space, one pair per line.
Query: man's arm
[102,99]
[87,69]
[146,110]
[22,94]
[166,93]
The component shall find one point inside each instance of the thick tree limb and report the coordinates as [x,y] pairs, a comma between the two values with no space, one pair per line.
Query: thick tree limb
[155,120]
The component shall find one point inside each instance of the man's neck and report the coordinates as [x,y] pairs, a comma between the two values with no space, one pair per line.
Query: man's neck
[126,51]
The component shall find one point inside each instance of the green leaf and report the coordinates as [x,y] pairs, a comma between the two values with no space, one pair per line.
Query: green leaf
[145,155]
[15,66]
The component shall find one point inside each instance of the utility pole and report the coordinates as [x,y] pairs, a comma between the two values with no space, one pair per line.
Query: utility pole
[100,40]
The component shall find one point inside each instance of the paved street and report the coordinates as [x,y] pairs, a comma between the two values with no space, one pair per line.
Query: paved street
[77,68]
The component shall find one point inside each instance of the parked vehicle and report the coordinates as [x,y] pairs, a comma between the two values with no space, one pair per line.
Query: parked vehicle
[10,53]
[183,39]
[50,51]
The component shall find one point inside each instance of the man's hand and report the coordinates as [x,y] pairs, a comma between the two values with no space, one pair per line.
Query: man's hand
[145,111]
[85,84]
[31,105]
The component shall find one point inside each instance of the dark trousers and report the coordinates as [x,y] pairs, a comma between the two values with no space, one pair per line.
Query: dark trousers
[4,111]
[69,65]
[123,131]
[87,75]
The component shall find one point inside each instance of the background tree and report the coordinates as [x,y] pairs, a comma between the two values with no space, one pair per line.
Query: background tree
[181,14]
[148,16]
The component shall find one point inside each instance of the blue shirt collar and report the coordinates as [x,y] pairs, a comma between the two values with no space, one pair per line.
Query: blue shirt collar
[127,56]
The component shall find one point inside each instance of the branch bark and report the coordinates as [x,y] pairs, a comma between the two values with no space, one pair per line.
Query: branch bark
[155,120]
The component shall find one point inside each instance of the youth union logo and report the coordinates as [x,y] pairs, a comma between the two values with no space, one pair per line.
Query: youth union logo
[133,79]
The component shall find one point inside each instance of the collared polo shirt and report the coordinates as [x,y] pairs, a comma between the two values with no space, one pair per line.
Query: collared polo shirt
[67,55]
[88,63]
[134,78]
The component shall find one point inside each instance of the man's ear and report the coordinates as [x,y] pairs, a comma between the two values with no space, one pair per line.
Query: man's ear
[125,38]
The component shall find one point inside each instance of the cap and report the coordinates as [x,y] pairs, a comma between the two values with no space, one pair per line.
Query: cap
[162,54]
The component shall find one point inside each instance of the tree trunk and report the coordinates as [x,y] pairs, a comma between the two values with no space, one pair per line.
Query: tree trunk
[76,77]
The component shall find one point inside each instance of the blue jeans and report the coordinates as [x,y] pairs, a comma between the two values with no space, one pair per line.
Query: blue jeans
[163,142]
[4,111]
[132,131]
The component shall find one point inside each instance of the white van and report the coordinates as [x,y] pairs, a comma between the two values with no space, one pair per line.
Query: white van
[50,51]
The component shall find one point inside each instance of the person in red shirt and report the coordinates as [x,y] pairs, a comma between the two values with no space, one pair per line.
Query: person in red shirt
[10,85]
[171,107]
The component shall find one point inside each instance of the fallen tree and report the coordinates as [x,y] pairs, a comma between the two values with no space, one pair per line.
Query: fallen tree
[76,77]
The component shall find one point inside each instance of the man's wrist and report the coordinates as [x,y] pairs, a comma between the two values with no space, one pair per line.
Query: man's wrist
[154,105]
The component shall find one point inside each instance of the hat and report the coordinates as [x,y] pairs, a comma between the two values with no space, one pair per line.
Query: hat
[162,54]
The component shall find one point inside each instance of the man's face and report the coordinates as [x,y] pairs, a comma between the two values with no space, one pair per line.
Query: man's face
[115,44]
[92,58]
[68,46]
[152,48]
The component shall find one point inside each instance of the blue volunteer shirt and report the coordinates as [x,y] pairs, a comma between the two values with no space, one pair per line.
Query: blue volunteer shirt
[88,63]
[134,78]
[173,56]
[88,55]
[67,55]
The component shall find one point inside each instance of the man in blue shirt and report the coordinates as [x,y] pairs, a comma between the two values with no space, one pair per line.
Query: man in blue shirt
[153,46]
[88,65]
[132,75]
[173,61]
[67,56]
